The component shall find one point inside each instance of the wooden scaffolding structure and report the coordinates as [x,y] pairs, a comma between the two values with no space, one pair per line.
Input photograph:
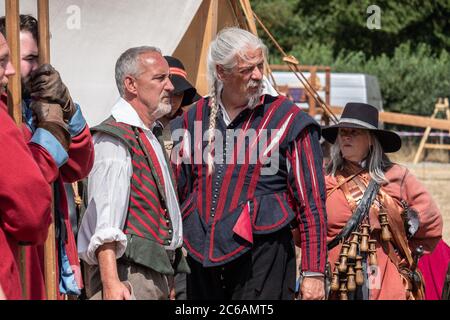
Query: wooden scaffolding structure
[441,107]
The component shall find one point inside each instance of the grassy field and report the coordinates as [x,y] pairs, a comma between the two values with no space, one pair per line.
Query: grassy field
[433,172]
[436,178]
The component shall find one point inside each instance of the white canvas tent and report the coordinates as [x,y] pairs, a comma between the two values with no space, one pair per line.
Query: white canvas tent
[87,37]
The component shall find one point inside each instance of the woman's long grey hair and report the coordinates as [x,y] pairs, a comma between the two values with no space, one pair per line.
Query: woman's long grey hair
[377,162]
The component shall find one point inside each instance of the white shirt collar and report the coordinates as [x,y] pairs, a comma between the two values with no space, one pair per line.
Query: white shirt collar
[122,111]
[226,117]
[267,89]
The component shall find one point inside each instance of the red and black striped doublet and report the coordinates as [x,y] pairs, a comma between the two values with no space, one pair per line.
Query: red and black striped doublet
[247,195]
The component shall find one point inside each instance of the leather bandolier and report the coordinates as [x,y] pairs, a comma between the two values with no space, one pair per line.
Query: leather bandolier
[358,250]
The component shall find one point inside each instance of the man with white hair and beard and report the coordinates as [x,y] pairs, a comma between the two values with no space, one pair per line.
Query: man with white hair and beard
[131,234]
[238,215]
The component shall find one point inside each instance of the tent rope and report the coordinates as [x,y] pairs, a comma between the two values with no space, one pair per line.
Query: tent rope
[292,63]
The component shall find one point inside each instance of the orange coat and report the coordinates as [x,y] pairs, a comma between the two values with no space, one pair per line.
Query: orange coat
[387,284]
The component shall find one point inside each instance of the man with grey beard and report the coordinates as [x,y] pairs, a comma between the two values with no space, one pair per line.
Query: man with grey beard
[131,234]
[237,216]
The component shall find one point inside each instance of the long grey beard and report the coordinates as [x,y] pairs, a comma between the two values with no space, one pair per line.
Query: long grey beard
[253,100]
[161,110]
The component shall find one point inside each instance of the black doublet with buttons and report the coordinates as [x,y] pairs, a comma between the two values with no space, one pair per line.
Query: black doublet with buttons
[217,208]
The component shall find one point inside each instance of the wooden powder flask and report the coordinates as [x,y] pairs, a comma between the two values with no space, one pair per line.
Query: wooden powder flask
[385,233]
[343,290]
[372,253]
[351,281]
[359,273]
[364,245]
[334,286]
[353,246]
[343,258]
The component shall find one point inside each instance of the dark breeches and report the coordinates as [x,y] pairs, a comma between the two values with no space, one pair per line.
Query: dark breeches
[266,272]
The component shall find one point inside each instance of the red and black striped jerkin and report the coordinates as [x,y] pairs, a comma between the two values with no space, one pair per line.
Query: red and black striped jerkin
[147,215]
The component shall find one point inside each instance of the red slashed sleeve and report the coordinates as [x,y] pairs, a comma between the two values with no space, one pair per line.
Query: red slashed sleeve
[307,187]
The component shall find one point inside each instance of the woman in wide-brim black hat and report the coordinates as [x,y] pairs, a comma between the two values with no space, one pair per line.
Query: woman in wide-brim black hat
[358,159]
[363,116]
[357,139]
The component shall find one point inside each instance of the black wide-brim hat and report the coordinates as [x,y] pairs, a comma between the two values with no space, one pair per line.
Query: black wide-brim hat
[363,116]
[180,82]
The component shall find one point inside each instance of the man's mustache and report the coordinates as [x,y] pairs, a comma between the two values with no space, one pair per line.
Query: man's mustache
[254,84]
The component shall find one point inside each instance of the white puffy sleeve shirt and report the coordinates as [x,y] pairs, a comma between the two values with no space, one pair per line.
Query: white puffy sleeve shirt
[109,190]
[109,194]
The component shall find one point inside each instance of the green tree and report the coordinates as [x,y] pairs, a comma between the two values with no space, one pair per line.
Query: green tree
[409,54]
[343,24]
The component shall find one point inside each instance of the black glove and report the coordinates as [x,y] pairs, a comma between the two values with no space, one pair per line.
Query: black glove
[46,85]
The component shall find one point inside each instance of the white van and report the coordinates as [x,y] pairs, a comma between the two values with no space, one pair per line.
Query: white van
[344,87]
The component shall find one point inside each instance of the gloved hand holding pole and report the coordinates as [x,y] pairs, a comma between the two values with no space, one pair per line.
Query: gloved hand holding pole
[46,85]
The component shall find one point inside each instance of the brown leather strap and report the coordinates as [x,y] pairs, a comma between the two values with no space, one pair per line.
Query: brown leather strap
[418,290]
[351,190]
[397,226]
[361,185]
[395,220]
[348,195]
[341,180]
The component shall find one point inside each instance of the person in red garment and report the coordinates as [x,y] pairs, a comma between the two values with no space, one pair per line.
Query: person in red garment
[434,270]
[380,216]
[63,150]
[25,196]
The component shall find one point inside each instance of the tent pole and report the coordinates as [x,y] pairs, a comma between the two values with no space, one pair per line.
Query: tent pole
[248,12]
[14,83]
[292,63]
[237,12]
[249,17]
[15,96]
[44,31]
[209,34]
[50,243]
